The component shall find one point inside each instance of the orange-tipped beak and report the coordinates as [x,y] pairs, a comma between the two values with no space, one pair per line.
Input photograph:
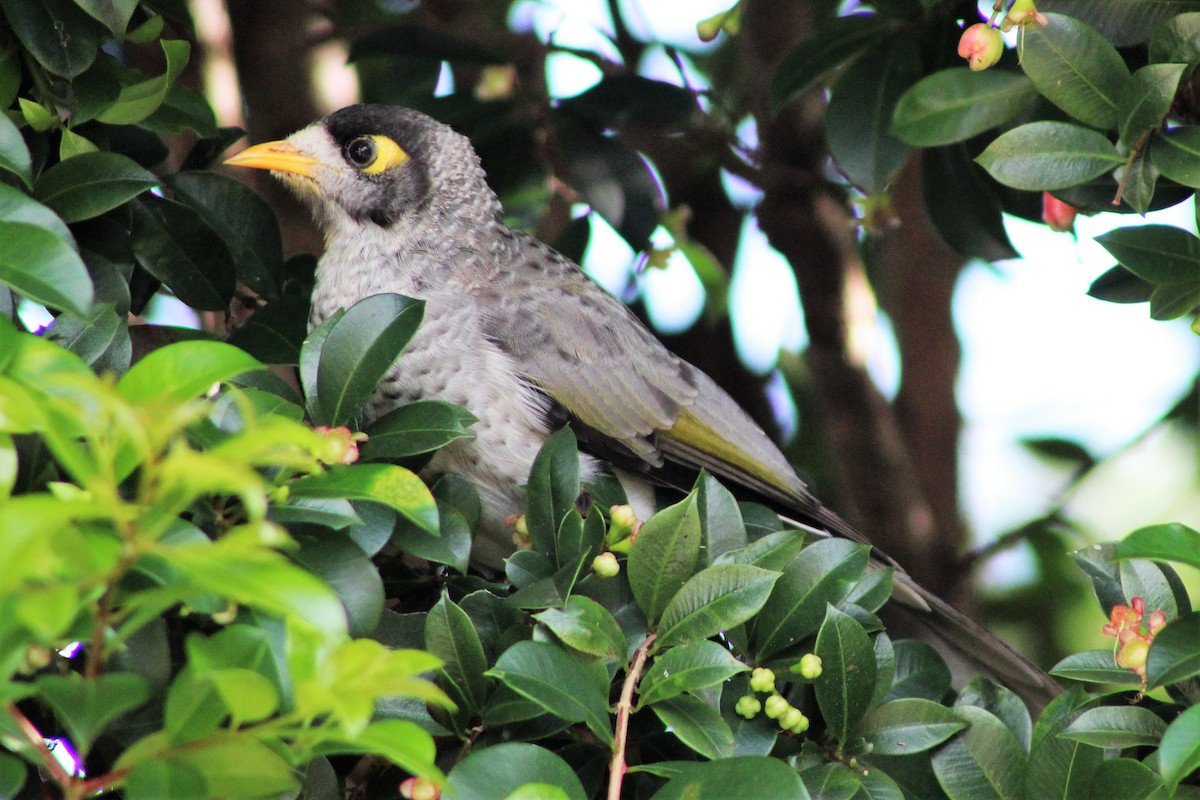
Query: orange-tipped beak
[276,156]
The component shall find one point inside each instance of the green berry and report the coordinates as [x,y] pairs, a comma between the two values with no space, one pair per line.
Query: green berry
[791,718]
[748,706]
[762,680]
[776,706]
[606,565]
[809,666]
[800,726]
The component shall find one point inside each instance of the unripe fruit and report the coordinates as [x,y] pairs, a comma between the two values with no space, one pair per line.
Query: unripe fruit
[981,45]
[606,565]
[776,706]
[762,680]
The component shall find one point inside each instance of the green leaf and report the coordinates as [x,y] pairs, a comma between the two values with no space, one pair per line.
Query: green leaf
[1177,39]
[858,120]
[103,332]
[623,100]
[115,14]
[238,765]
[248,695]
[451,636]
[388,484]
[1175,652]
[12,775]
[183,371]
[139,100]
[86,706]
[262,579]
[40,266]
[16,206]
[735,778]
[72,144]
[953,105]
[1123,22]
[360,350]
[715,599]
[14,154]
[1093,666]
[663,556]
[174,244]
[1145,100]
[1116,581]
[836,41]
[773,551]
[721,527]
[909,725]
[919,672]
[275,333]
[1119,285]
[57,33]
[1001,701]
[416,428]
[1116,727]
[91,183]
[153,780]
[823,574]
[1060,767]
[847,680]
[1174,300]
[1179,751]
[697,724]
[1158,253]
[399,741]
[1043,156]
[1171,541]
[687,668]
[243,220]
[984,761]
[495,772]
[538,791]
[584,625]
[552,490]
[1076,69]
[558,682]
[345,567]
[1124,779]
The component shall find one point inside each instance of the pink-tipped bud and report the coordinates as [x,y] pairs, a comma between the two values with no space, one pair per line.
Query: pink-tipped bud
[1057,215]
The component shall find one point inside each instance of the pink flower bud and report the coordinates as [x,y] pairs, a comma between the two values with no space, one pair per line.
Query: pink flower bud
[1057,215]
[981,45]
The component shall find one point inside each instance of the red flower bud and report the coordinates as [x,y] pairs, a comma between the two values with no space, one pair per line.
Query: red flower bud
[981,45]
[1057,215]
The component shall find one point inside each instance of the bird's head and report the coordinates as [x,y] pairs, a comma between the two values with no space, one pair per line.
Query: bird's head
[376,165]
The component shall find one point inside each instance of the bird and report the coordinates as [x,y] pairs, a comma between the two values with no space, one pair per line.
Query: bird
[518,335]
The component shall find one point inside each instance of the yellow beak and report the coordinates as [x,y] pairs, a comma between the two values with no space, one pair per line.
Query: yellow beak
[276,156]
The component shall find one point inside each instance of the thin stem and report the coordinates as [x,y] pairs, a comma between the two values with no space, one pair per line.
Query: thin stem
[1133,154]
[39,743]
[616,772]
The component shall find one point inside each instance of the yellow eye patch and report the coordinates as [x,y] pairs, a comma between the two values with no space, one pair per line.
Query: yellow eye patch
[388,154]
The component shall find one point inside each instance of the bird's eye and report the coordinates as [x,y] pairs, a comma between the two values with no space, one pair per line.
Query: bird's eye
[361,151]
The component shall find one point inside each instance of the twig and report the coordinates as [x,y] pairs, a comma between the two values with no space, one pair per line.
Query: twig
[1133,154]
[39,743]
[616,772]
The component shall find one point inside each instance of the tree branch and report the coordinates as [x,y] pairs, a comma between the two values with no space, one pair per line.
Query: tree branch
[616,772]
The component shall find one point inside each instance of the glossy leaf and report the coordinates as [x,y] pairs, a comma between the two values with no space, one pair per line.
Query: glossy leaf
[1170,541]
[1179,751]
[1119,285]
[360,350]
[14,154]
[86,706]
[773,551]
[721,526]
[1145,100]
[1043,156]
[1124,779]
[847,680]
[909,725]
[239,766]
[91,183]
[663,556]
[984,761]
[555,680]
[552,490]
[1000,701]
[115,14]
[139,100]
[1093,666]
[687,668]
[837,41]
[243,220]
[963,204]
[1175,652]
[696,724]
[715,599]
[349,572]
[919,672]
[1123,22]
[952,105]
[1116,727]
[584,625]
[1076,69]
[1174,300]
[1158,253]
[496,772]
[451,636]
[1060,767]
[57,33]
[416,428]
[1177,39]
[858,121]
[275,333]
[39,265]
[176,246]
[388,484]
[739,777]
[823,574]
[183,370]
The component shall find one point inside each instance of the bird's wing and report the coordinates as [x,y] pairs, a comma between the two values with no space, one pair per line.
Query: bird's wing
[588,353]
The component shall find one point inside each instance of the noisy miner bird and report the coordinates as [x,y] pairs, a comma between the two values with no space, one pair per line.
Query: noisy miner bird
[517,334]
